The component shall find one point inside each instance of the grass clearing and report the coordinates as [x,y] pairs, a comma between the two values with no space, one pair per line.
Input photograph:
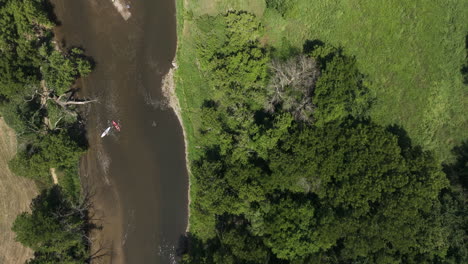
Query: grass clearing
[16,194]
[411,53]
[213,7]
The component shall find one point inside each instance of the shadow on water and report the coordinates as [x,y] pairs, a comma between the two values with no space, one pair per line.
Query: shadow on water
[50,7]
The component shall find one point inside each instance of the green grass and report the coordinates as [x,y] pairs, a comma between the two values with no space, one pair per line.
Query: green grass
[411,53]
[191,87]
[70,182]
[213,7]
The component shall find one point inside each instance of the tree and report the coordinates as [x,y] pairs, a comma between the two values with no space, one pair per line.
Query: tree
[289,227]
[60,71]
[454,206]
[24,27]
[291,86]
[48,151]
[380,196]
[54,229]
[232,57]
[339,92]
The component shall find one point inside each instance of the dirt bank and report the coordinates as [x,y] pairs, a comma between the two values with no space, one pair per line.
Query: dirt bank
[168,90]
[16,194]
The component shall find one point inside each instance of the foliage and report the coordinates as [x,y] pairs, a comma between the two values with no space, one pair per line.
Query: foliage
[23,28]
[60,71]
[464,69]
[410,52]
[454,206]
[57,116]
[279,5]
[231,55]
[339,179]
[48,151]
[340,91]
[343,186]
[54,229]
[28,55]
[24,116]
[343,189]
[357,173]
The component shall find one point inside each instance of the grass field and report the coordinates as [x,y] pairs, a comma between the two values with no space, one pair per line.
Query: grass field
[411,53]
[16,194]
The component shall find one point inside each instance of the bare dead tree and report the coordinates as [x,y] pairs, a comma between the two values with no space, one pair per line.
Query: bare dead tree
[63,101]
[85,208]
[102,251]
[291,86]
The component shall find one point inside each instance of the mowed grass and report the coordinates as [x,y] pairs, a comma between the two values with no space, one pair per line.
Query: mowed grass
[411,53]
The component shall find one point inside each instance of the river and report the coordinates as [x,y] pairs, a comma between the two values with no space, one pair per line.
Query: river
[137,176]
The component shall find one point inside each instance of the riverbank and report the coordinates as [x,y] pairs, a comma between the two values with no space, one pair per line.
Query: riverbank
[190,88]
[137,175]
[168,87]
[16,194]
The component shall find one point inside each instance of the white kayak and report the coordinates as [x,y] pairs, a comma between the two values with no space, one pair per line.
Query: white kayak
[105,132]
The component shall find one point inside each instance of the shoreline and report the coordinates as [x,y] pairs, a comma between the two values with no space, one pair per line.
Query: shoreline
[99,238]
[168,88]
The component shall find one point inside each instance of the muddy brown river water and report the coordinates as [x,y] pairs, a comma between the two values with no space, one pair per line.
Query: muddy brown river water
[138,176]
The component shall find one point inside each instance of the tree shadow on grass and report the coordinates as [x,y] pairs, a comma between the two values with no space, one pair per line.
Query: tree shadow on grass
[457,172]
[464,68]
[404,141]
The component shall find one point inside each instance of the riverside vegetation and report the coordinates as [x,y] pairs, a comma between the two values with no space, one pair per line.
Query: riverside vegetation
[298,146]
[37,100]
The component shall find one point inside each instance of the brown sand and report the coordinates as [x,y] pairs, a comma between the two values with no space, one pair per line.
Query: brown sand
[16,194]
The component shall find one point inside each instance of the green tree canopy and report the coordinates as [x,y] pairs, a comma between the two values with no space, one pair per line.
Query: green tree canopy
[24,26]
[60,71]
[48,151]
[54,229]
[232,57]
[339,91]
[370,195]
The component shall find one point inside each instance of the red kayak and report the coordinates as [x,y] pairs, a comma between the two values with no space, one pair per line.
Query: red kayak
[116,126]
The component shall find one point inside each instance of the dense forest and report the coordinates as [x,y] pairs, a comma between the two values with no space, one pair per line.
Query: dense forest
[304,147]
[37,99]
[289,162]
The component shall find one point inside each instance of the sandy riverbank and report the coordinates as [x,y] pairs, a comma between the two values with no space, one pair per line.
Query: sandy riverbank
[16,194]
[168,88]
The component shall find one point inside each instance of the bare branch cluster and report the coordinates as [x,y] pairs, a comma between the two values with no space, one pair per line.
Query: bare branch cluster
[291,86]
[63,100]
